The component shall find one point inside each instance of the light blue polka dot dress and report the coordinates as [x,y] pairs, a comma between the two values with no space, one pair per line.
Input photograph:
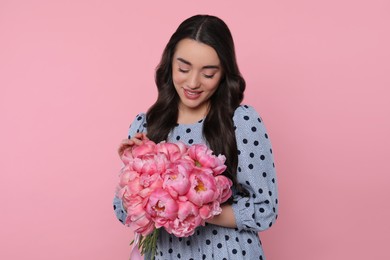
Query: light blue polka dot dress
[256,172]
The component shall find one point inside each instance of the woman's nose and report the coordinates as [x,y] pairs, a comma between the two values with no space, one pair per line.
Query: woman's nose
[193,80]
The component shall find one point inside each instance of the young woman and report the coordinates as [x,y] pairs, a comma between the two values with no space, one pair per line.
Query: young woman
[200,90]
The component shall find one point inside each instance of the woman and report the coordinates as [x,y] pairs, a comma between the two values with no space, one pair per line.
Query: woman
[200,90]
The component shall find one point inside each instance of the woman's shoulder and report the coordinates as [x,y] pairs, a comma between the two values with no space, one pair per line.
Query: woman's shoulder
[245,113]
[247,122]
[140,117]
[138,125]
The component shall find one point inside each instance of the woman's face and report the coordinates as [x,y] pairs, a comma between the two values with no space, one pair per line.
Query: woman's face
[196,73]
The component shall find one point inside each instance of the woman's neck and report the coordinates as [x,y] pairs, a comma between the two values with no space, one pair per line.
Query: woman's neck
[190,116]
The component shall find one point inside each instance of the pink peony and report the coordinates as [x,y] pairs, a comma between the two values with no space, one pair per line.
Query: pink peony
[147,147]
[172,186]
[127,156]
[203,188]
[149,183]
[137,217]
[161,207]
[173,151]
[127,175]
[204,158]
[209,210]
[187,220]
[150,164]
[177,182]
[128,185]
[138,151]
[223,184]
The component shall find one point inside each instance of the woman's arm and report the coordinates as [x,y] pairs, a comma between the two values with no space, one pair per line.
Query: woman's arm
[256,173]
[225,219]
[135,136]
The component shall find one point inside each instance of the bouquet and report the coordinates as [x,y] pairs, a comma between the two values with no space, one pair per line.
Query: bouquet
[173,186]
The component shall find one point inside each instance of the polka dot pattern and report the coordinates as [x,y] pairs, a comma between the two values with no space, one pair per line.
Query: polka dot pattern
[257,212]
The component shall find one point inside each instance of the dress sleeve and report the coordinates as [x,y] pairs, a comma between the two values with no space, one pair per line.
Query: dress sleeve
[255,172]
[137,126]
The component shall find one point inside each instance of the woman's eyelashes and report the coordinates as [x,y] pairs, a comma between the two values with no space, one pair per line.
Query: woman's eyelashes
[183,70]
[207,76]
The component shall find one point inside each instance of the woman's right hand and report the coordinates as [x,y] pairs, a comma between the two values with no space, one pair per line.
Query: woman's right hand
[137,139]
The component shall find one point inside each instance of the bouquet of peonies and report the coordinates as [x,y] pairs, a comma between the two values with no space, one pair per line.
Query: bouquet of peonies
[173,186]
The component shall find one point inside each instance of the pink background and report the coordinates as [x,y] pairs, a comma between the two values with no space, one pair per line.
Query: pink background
[73,75]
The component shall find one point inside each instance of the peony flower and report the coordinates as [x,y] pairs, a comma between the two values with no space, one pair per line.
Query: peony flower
[204,158]
[150,183]
[127,175]
[138,151]
[203,188]
[150,164]
[210,210]
[137,217]
[223,184]
[161,207]
[172,186]
[127,156]
[187,220]
[128,185]
[177,181]
[173,151]
[147,147]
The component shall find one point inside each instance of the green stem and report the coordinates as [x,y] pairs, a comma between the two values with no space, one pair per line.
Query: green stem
[149,243]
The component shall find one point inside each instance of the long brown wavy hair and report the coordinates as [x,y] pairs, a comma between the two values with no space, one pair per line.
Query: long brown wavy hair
[218,127]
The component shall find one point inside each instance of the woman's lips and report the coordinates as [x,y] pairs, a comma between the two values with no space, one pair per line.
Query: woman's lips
[191,94]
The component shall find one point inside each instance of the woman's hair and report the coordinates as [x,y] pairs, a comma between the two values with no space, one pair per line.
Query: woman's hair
[218,127]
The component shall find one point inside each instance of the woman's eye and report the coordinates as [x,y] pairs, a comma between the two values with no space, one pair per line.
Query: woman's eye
[184,71]
[208,76]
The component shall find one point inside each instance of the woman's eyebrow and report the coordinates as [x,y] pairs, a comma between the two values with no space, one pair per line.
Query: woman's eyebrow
[184,61]
[204,67]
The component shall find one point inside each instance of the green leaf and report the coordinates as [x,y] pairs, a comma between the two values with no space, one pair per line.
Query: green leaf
[148,244]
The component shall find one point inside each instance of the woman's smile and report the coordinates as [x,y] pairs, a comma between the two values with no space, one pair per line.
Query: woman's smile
[192,94]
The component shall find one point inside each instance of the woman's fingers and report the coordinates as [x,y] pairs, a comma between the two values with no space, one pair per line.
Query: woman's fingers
[137,139]
[126,143]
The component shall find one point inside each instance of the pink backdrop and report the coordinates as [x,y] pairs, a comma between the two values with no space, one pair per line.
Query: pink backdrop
[73,74]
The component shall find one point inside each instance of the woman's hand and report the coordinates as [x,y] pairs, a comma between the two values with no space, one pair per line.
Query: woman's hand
[137,139]
[225,219]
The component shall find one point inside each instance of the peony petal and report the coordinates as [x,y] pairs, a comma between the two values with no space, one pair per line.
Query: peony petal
[161,207]
[146,148]
[203,188]
[224,185]
[177,182]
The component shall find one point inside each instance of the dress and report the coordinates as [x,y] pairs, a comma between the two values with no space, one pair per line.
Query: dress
[256,172]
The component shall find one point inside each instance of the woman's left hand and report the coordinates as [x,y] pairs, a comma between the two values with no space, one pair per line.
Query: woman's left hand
[225,219]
